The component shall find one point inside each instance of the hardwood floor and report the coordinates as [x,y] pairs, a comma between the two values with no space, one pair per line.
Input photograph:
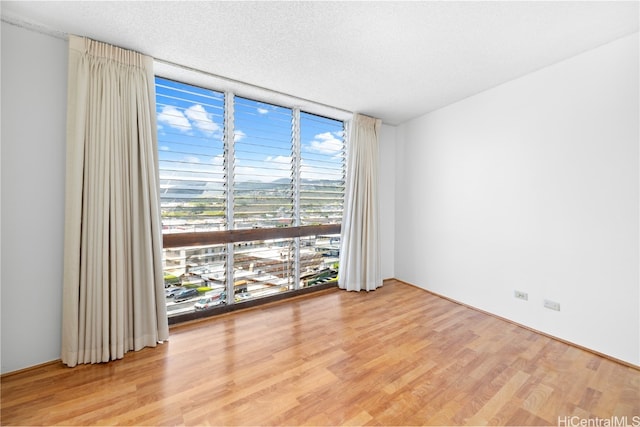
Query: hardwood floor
[396,356]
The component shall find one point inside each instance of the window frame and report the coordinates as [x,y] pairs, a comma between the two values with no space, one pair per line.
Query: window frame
[231,236]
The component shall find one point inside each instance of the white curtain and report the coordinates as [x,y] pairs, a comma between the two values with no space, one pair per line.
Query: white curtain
[113,292]
[360,239]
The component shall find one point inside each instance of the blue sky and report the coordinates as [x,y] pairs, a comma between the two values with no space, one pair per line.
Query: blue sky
[190,136]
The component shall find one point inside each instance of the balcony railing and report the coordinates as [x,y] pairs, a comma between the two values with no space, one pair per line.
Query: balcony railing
[204,238]
[267,264]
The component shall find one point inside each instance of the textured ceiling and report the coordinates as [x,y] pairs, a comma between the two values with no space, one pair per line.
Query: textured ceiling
[393,60]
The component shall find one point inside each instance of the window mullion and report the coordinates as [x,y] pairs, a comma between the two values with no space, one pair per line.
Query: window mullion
[229,162]
[295,131]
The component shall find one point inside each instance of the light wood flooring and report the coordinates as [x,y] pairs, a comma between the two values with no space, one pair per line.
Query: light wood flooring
[396,356]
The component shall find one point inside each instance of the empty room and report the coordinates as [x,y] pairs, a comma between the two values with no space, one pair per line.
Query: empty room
[241,213]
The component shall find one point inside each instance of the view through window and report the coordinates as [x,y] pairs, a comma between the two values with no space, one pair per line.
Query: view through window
[258,185]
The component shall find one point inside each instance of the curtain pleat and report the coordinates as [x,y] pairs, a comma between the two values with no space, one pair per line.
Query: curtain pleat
[113,292]
[360,241]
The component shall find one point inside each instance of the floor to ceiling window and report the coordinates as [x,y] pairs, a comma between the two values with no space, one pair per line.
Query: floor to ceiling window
[251,197]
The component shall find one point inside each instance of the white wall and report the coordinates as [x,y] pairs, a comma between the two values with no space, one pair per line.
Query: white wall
[532,185]
[387,162]
[34,82]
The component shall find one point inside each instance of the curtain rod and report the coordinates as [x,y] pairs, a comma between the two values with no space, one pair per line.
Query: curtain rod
[61,35]
[32,26]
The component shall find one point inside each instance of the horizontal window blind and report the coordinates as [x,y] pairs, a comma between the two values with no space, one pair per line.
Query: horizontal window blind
[191,157]
[234,167]
[322,174]
[263,165]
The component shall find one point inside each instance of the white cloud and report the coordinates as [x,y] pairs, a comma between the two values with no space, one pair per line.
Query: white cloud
[195,116]
[326,143]
[238,135]
[280,160]
[311,171]
[263,111]
[218,160]
[246,173]
[174,118]
[202,119]
[269,169]
[191,159]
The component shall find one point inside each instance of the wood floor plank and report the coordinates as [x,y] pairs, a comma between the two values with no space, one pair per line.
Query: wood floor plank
[504,393]
[395,356]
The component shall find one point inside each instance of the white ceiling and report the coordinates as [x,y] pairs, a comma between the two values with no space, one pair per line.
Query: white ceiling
[393,60]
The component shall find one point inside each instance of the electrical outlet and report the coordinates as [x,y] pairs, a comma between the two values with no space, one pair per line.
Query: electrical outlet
[552,305]
[521,295]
